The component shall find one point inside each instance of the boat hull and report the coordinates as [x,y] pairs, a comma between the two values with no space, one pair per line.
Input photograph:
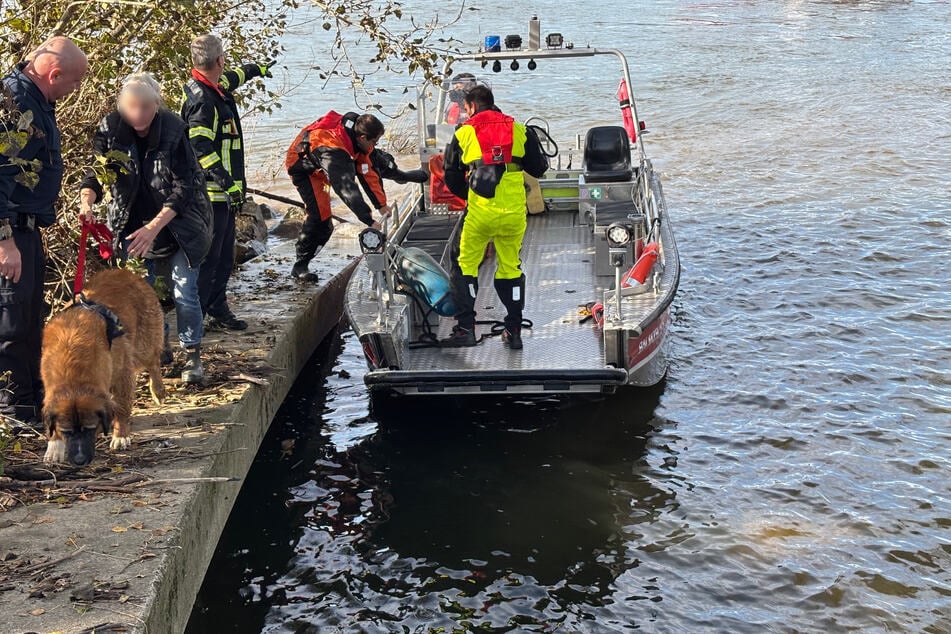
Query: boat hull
[647,359]
[496,381]
[562,353]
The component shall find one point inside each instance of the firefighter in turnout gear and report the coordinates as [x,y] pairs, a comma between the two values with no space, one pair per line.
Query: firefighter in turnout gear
[336,152]
[214,128]
[484,165]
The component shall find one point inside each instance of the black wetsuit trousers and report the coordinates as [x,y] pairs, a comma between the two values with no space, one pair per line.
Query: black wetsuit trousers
[215,271]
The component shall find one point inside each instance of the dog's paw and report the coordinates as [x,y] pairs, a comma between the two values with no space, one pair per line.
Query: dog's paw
[120,442]
[55,451]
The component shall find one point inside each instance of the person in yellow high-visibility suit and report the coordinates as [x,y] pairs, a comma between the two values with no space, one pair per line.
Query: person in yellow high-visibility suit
[484,164]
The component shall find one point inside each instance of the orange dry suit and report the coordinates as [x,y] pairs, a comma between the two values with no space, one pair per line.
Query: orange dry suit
[327,153]
[325,156]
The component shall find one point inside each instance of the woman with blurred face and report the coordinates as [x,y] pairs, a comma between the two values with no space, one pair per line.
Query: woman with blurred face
[159,209]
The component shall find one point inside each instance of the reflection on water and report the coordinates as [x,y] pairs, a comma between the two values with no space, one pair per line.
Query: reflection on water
[439,513]
[792,475]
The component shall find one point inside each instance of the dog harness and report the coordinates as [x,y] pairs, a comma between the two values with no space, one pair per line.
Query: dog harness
[114,328]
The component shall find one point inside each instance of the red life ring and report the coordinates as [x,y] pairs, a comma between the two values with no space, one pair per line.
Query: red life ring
[627,112]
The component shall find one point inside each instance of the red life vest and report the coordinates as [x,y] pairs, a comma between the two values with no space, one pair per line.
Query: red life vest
[454,113]
[333,121]
[439,194]
[495,132]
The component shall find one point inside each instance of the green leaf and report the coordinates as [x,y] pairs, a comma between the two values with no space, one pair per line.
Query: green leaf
[28,179]
[26,121]
[12,143]
[18,24]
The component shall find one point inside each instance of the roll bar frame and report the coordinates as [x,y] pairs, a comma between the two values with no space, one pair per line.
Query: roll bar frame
[548,54]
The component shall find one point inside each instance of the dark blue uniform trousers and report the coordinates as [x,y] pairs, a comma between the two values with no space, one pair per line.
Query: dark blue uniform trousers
[22,313]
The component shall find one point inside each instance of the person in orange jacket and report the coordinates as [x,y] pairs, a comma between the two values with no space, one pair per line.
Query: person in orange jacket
[336,152]
[459,86]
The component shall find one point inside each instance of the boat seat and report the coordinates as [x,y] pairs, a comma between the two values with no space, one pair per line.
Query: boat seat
[435,248]
[607,155]
[608,211]
[432,227]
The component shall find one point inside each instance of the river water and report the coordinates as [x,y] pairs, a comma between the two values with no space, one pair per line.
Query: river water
[792,474]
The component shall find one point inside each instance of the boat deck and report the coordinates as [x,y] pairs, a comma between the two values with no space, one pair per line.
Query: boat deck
[558,260]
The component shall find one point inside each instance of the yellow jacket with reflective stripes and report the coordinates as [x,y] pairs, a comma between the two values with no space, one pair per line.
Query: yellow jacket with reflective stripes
[214,128]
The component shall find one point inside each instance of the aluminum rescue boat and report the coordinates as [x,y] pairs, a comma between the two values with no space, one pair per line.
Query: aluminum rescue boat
[592,229]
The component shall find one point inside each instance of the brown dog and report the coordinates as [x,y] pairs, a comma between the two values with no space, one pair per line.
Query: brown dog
[92,353]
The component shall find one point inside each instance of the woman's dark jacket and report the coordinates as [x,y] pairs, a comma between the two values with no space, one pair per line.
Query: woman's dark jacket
[173,176]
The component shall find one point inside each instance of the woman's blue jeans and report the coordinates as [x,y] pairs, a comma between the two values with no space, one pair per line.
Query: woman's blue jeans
[189,316]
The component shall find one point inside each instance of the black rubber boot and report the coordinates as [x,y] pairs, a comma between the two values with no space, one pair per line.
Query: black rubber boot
[465,289]
[226,321]
[512,294]
[512,337]
[301,272]
[460,338]
[308,245]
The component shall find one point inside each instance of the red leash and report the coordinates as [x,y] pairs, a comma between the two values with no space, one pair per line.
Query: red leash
[103,236]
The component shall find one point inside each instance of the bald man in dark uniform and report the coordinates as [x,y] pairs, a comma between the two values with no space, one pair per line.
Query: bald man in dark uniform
[49,73]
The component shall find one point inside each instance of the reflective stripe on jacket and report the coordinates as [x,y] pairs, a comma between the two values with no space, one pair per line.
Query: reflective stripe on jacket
[214,128]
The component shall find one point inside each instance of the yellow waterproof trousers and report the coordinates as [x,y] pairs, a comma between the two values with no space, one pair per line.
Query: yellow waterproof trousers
[505,230]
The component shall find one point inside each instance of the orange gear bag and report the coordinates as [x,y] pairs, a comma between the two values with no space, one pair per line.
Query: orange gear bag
[439,194]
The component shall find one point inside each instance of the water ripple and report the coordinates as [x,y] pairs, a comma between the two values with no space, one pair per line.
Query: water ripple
[792,474]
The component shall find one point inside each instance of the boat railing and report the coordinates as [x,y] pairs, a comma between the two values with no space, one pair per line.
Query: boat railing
[644,199]
[393,226]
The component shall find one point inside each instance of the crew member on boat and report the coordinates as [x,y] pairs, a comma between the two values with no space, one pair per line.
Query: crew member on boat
[484,164]
[335,152]
[459,86]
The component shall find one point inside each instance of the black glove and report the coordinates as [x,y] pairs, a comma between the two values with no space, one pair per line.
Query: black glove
[410,176]
[236,199]
[386,165]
